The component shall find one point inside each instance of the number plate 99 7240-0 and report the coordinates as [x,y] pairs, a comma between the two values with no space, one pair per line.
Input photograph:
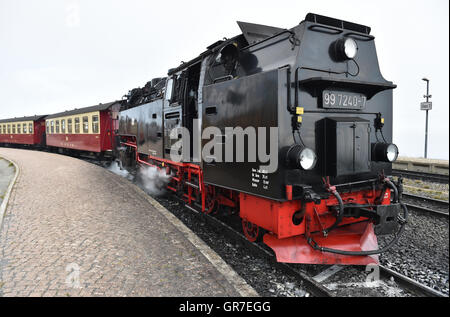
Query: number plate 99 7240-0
[343,100]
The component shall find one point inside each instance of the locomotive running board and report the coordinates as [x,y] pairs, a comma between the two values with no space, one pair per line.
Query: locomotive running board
[356,237]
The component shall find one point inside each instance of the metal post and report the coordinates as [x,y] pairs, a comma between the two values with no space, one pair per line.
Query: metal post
[426,124]
[427,96]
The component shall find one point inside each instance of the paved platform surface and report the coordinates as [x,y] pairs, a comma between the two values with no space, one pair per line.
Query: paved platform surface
[6,175]
[75,229]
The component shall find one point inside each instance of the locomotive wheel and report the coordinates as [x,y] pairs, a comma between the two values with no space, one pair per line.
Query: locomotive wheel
[252,232]
[211,200]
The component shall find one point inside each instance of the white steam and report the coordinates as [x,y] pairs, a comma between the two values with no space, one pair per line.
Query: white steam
[153,180]
[115,168]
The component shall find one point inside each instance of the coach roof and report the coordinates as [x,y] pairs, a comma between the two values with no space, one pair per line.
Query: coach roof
[99,107]
[21,119]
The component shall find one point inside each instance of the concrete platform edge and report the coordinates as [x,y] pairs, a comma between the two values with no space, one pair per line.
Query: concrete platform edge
[8,191]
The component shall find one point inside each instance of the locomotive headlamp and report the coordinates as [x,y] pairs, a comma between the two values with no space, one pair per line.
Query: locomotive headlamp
[345,49]
[307,159]
[350,48]
[384,152]
[392,152]
[298,156]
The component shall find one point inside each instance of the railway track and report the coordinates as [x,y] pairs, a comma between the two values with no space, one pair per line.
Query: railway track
[426,205]
[427,177]
[317,286]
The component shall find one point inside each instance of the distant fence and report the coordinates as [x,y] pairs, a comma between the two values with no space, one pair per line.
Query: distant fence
[422,165]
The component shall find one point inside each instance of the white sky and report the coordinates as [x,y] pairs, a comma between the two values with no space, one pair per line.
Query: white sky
[61,54]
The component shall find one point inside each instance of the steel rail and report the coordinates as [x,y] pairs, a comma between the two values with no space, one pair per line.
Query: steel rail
[427,210]
[436,178]
[441,204]
[410,284]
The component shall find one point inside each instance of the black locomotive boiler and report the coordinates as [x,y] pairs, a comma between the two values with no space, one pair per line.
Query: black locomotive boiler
[316,89]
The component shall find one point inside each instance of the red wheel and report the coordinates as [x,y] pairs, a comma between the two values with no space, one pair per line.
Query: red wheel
[252,232]
[211,200]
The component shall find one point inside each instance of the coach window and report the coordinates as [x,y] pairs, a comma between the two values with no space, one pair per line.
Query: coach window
[30,128]
[94,124]
[63,126]
[85,124]
[52,126]
[77,125]
[19,130]
[69,125]
[47,123]
[14,129]
[25,128]
[9,129]
[57,126]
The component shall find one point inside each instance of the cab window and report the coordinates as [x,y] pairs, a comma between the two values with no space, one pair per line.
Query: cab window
[69,125]
[77,125]
[169,89]
[63,126]
[57,126]
[95,124]
[85,124]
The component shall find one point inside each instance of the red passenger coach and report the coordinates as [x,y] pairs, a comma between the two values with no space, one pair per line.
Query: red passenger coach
[89,129]
[25,131]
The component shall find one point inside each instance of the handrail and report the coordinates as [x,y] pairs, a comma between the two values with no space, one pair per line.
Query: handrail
[367,37]
[325,27]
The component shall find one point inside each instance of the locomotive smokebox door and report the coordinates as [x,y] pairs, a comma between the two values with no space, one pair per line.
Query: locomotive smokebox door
[346,146]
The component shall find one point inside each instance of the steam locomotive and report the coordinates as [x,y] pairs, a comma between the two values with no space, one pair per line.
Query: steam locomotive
[291,129]
[318,91]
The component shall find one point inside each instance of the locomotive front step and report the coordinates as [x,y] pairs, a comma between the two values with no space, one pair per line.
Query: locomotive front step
[356,237]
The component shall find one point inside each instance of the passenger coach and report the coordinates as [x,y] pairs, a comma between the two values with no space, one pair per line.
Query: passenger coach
[89,129]
[25,131]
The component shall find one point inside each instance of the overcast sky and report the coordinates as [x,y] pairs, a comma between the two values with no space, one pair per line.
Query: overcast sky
[62,54]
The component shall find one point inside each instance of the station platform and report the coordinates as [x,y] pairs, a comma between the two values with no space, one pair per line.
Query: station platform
[75,229]
[422,165]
